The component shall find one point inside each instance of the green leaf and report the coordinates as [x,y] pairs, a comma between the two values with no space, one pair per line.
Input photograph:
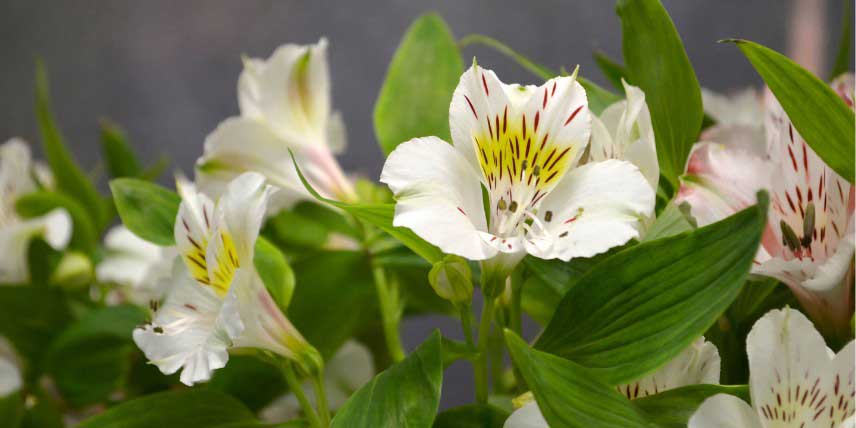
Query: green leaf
[339,285]
[568,394]
[84,235]
[845,42]
[120,157]
[598,97]
[69,178]
[275,272]
[415,97]
[673,408]
[673,220]
[12,409]
[192,408]
[252,380]
[45,413]
[406,394]
[656,61]
[472,416]
[146,209]
[816,111]
[612,70]
[380,216]
[636,310]
[91,358]
[31,317]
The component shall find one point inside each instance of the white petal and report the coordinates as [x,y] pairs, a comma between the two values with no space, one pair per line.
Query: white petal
[193,228]
[337,136]
[243,207]
[787,364]
[725,411]
[186,332]
[57,228]
[10,377]
[699,363]
[741,108]
[54,227]
[843,85]
[139,265]
[439,196]
[839,389]
[528,416]
[594,208]
[16,176]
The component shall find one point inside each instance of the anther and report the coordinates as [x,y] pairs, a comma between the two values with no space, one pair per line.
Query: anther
[537,170]
[513,206]
[501,205]
[563,234]
[548,216]
[808,225]
[158,330]
[525,165]
[789,238]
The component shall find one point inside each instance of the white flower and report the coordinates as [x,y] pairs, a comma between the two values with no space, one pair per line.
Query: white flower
[140,268]
[10,369]
[18,177]
[697,364]
[349,369]
[794,380]
[809,243]
[522,144]
[624,131]
[285,104]
[218,300]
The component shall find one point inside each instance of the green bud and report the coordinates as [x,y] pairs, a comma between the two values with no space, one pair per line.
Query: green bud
[73,272]
[451,279]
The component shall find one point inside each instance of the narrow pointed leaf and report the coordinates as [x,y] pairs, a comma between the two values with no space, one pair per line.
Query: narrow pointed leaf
[656,61]
[146,209]
[612,70]
[274,271]
[569,395]
[404,395]
[845,43]
[817,112]
[673,220]
[120,157]
[636,310]
[414,100]
[673,408]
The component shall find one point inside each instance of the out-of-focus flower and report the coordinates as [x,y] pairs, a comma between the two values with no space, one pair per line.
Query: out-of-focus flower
[349,369]
[624,132]
[19,177]
[285,105]
[809,243]
[523,144]
[218,300]
[10,369]
[697,364]
[140,269]
[794,380]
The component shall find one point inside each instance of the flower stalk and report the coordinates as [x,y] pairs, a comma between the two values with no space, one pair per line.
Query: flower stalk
[387,292]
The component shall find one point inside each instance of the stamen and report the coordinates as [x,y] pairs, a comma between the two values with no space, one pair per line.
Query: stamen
[537,170]
[789,238]
[548,216]
[513,207]
[808,225]
[563,234]
[501,205]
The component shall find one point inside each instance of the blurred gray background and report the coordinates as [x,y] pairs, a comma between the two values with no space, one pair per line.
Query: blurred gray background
[167,70]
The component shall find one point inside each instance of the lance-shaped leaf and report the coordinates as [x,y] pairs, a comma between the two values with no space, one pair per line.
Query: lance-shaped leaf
[146,209]
[195,408]
[380,216]
[274,271]
[845,42]
[569,395]
[636,310]
[612,70]
[673,408]
[69,178]
[656,61]
[817,112]
[414,100]
[120,157]
[673,220]
[472,416]
[404,395]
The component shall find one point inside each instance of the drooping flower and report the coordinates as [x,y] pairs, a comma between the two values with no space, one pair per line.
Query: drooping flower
[522,144]
[285,104]
[346,371]
[697,364]
[18,177]
[624,131]
[794,380]
[809,243]
[218,300]
[140,269]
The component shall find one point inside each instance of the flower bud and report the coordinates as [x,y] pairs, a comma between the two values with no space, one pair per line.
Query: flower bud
[451,279]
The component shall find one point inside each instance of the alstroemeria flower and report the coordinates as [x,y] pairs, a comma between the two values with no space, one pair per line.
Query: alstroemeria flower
[794,380]
[218,300]
[624,131]
[522,144]
[809,243]
[347,370]
[141,269]
[285,104]
[697,364]
[739,117]
[10,369]
[18,176]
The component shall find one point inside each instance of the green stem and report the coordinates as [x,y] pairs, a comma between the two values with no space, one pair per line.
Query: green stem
[515,323]
[295,387]
[481,368]
[388,298]
[323,407]
[467,325]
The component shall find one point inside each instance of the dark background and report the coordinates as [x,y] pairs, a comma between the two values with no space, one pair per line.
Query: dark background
[167,70]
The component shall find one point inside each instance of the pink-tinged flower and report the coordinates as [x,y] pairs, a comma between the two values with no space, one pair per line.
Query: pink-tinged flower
[218,300]
[285,105]
[522,145]
[809,243]
[795,381]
